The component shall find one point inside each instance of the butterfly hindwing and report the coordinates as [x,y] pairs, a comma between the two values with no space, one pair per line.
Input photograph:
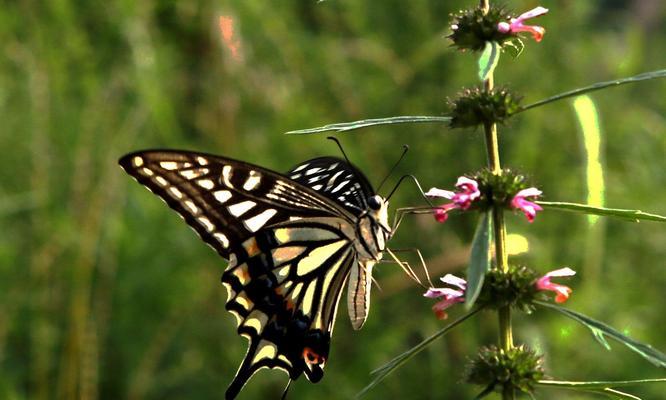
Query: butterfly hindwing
[284,287]
[335,179]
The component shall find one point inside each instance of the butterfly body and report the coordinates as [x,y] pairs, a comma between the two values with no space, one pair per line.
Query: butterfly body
[292,242]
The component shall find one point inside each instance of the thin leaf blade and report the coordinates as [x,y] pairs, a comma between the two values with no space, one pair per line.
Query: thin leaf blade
[479,261]
[349,126]
[596,86]
[620,395]
[386,369]
[608,388]
[600,330]
[626,214]
[598,384]
[488,60]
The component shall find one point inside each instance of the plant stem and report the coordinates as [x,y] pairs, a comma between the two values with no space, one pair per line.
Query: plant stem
[499,228]
[485,6]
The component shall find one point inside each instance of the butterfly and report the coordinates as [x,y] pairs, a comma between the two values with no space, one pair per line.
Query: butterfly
[292,243]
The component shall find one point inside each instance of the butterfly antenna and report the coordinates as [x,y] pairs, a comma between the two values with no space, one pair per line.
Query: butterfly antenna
[286,390]
[353,169]
[418,185]
[333,138]
[405,148]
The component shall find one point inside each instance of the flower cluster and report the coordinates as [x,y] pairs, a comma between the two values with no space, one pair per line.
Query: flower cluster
[486,189]
[519,368]
[518,287]
[477,106]
[472,29]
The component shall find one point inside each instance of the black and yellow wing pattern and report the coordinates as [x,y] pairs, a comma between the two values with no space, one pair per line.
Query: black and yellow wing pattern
[291,241]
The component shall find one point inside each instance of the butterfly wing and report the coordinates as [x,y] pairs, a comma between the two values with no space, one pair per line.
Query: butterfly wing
[337,180]
[284,288]
[289,250]
[347,186]
[225,201]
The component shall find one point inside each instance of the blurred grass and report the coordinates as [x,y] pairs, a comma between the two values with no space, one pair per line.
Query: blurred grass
[104,293]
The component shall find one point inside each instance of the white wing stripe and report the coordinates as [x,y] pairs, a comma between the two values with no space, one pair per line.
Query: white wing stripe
[252,181]
[241,208]
[222,195]
[255,223]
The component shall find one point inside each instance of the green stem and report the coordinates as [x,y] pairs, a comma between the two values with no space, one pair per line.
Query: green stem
[501,257]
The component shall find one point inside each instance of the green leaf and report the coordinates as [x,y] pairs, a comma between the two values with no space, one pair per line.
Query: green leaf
[619,394]
[348,126]
[597,86]
[386,369]
[601,330]
[598,384]
[602,387]
[632,215]
[479,261]
[488,60]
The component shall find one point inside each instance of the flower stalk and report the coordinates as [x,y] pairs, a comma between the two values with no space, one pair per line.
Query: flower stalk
[501,256]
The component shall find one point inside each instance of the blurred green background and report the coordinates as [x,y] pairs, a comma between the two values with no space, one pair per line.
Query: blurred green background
[105,293]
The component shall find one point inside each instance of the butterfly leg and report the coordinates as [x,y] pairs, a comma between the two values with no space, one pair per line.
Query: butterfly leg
[421,261]
[406,267]
[401,212]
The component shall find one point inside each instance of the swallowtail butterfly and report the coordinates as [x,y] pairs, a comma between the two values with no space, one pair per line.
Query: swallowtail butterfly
[292,241]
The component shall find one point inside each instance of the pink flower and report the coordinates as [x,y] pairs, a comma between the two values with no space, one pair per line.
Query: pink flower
[529,208]
[450,296]
[562,291]
[442,212]
[516,25]
[468,191]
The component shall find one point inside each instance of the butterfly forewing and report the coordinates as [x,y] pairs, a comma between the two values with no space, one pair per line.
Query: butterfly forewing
[224,200]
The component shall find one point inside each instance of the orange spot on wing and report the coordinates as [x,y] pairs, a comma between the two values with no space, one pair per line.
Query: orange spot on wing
[228,36]
[311,357]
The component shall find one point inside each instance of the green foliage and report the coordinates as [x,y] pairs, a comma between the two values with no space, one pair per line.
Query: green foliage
[385,370]
[349,126]
[488,60]
[600,330]
[631,215]
[479,260]
[608,388]
[596,86]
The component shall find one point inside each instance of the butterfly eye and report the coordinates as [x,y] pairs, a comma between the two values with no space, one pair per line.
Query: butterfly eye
[375,202]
